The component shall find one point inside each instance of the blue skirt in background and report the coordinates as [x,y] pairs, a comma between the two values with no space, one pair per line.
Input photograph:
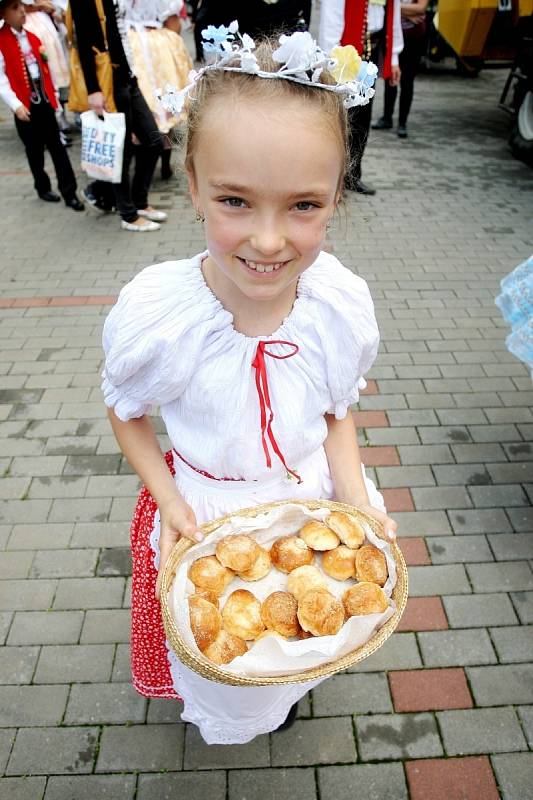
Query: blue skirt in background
[516,304]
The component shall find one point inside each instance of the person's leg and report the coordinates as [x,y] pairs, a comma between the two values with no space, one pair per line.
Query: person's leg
[125,205]
[34,145]
[66,179]
[359,119]
[389,101]
[147,151]
[409,61]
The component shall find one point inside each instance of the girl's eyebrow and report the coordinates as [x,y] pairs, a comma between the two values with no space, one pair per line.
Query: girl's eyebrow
[317,193]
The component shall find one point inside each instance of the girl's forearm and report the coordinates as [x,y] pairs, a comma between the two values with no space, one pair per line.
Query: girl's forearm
[344,461]
[138,442]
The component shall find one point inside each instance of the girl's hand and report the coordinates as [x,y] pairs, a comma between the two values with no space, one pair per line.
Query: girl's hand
[177,520]
[389,525]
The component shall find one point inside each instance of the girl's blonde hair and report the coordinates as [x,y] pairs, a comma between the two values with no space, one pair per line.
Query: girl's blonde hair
[219,84]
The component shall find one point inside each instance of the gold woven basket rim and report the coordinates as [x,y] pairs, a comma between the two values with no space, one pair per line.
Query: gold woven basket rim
[207,669]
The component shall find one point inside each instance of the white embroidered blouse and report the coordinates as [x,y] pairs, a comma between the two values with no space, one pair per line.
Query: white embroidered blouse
[169,341]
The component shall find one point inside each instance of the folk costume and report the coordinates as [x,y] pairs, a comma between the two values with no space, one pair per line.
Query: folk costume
[25,79]
[169,342]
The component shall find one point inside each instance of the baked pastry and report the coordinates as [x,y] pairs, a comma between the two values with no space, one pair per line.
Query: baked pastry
[260,568]
[206,621]
[211,597]
[364,598]
[241,615]
[290,552]
[371,565]
[339,563]
[225,648]
[318,536]
[348,529]
[279,613]
[208,573]
[272,634]
[320,613]
[239,552]
[303,579]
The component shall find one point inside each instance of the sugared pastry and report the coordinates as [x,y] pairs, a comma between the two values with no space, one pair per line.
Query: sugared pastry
[364,598]
[290,552]
[225,648]
[239,552]
[211,597]
[279,613]
[303,579]
[271,634]
[320,613]
[206,621]
[339,563]
[241,615]
[318,536]
[208,573]
[348,529]
[371,565]
[262,566]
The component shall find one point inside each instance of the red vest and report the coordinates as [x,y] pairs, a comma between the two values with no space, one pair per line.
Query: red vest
[15,67]
[355,23]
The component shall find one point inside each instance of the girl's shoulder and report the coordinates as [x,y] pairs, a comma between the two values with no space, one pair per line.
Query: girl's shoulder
[331,285]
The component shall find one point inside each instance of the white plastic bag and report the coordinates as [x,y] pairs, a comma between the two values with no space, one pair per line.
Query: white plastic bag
[102,145]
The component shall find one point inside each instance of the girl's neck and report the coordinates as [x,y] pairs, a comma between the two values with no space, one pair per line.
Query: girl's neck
[250,317]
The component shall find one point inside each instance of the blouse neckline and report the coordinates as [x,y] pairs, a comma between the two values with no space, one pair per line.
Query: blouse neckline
[287,321]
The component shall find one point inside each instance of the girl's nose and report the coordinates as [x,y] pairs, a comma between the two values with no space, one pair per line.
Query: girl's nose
[268,239]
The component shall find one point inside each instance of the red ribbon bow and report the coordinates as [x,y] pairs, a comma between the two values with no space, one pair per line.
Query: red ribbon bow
[261,382]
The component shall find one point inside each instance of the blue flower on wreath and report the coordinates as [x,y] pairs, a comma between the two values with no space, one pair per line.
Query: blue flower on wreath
[367,74]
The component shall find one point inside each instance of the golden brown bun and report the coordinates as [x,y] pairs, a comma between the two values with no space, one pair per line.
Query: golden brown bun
[239,552]
[348,529]
[339,563]
[242,615]
[274,634]
[290,552]
[225,648]
[304,634]
[206,621]
[371,565]
[208,573]
[320,613]
[279,613]
[211,597]
[262,567]
[303,579]
[318,536]
[364,598]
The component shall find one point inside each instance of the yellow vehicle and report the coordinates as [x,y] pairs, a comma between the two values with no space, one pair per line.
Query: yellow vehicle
[491,33]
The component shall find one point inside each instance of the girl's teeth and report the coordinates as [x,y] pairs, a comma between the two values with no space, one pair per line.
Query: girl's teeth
[263,267]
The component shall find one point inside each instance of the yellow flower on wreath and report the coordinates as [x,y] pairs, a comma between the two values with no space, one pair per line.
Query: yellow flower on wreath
[348,63]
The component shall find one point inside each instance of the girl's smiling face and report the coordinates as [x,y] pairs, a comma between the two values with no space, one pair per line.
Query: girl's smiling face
[267,181]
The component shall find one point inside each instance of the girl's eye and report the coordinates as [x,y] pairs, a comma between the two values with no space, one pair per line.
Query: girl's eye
[305,205]
[234,202]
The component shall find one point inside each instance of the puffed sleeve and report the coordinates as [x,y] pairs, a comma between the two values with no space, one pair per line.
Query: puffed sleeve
[347,326]
[152,339]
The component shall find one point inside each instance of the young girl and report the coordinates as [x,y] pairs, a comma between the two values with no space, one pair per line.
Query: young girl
[254,349]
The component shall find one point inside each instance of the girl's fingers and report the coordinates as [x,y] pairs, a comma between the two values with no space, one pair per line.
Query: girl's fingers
[389,525]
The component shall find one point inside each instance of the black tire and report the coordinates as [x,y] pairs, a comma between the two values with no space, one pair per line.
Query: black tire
[521,138]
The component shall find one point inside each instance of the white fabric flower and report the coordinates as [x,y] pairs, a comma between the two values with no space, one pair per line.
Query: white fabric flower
[297,52]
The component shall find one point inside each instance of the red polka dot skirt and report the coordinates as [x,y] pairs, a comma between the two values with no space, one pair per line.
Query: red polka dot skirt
[149,662]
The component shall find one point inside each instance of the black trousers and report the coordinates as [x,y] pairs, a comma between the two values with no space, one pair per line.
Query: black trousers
[359,119]
[130,195]
[413,50]
[41,133]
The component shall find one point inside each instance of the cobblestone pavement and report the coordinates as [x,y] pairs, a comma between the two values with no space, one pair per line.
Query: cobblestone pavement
[445,708]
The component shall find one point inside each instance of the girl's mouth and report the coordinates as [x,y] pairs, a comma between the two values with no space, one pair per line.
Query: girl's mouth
[262,267]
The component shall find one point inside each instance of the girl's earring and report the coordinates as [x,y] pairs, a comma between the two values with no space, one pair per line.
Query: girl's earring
[199,216]
[328,224]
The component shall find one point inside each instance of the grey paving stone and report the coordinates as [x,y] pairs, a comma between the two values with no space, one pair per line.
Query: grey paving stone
[32,705]
[425,454]
[391,477]
[199,755]
[442,579]
[40,537]
[69,663]
[7,737]
[90,787]
[17,664]
[143,748]
[64,563]
[80,509]
[122,666]
[62,486]
[15,565]
[400,651]
[523,603]
[114,561]
[525,714]
[100,534]
[483,730]
[477,453]
[445,497]
[514,773]
[352,694]
[5,621]
[461,474]
[312,741]
[456,648]
[106,626]
[494,433]
[395,436]
[45,627]
[452,549]
[512,546]
[92,465]
[517,472]
[202,785]
[510,684]
[40,751]
[162,710]
[443,434]
[14,488]
[369,781]
[521,518]
[106,704]
[384,737]
[501,577]
[25,788]
[514,643]
[467,520]
[519,451]
[498,496]
[85,593]
[422,523]
[469,611]
[12,511]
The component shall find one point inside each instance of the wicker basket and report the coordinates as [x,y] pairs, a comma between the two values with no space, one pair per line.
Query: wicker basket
[207,669]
